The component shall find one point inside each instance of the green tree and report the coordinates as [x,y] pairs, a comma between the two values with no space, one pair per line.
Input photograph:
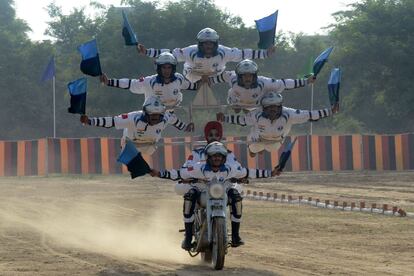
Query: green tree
[375,48]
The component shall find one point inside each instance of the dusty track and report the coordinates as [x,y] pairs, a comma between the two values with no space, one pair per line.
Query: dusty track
[117,226]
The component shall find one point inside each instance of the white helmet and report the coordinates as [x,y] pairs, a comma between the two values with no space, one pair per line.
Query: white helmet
[271,98]
[166,58]
[153,105]
[246,66]
[207,34]
[216,148]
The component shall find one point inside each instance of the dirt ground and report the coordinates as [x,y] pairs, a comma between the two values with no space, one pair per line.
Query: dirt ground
[117,226]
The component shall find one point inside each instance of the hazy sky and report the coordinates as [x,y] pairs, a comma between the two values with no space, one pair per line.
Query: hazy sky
[294,15]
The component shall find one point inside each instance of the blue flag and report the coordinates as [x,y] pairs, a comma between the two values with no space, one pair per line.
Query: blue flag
[320,61]
[284,157]
[267,29]
[49,72]
[90,64]
[333,86]
[128,33]
[77,90]
[132,158]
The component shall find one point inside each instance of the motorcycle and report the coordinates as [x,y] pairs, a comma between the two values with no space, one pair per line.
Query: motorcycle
[210,225]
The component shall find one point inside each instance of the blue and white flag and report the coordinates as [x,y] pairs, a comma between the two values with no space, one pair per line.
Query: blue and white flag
[132,158]
[284,157]
[77,90]
[49,72]
[128,33]
[90,64]
[334,85]
[267,29]
[321,60]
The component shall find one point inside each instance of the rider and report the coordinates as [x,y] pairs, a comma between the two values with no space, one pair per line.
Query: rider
[208,57]
[247,88]
[271,124]
[213,131]
[214,167]
[166,84]
[144,127]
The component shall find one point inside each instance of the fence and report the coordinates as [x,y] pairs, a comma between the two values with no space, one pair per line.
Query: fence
[98,155]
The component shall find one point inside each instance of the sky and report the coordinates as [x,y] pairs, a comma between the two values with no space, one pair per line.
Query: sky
[295,16]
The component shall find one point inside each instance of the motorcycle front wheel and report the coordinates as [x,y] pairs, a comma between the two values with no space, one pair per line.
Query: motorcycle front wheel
[218,246]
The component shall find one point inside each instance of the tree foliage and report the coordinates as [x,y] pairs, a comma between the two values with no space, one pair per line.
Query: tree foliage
[373,46]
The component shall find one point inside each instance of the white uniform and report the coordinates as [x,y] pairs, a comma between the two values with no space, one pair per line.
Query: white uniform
[239,96]
[269,135]
[196,65]
[198,155]
[168,93]
[202,171]
[137,129]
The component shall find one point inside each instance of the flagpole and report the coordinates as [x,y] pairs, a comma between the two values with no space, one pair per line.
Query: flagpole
[54,107]
[311,124]
[308,147]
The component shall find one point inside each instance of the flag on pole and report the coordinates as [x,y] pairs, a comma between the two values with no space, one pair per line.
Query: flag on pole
[128,33]
[284,157]
[267,29]
[77,91]
[90,64]
[333,86]
[132,158]
[321,60]
[49,72]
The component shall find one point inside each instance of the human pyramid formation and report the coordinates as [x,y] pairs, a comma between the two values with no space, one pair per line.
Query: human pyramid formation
[204,64]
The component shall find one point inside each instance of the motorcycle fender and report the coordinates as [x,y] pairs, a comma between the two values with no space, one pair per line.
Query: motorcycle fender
[218,213]
[220,210]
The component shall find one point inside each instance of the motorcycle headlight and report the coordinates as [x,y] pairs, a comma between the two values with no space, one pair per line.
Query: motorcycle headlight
[216,190]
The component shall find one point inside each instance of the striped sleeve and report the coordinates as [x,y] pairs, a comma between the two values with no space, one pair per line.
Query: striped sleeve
[176,122]
[254,54]
[294,83]
[119,83]
[187,85]
[302,116]
[222,78]
[259,173]
[170,174]
[106,122]
[315,115]
[151,52]
[235,119]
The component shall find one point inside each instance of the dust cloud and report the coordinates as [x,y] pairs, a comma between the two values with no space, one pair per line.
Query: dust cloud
[96,227]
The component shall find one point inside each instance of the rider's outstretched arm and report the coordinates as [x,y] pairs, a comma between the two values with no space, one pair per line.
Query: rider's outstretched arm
[242,173]
[301,116]
[181,174]
[280,85]
[173,120]
[186,84]
[237,55]
[106,122]
[136,86]
[119,122]
[179,53]
[242,120]
[223,77]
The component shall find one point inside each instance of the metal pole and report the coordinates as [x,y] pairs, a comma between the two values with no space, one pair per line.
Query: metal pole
[54,107]
[190,113]
[310,134]
[311,124]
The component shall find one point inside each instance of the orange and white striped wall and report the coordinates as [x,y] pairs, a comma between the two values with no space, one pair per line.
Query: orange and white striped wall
[316,153]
